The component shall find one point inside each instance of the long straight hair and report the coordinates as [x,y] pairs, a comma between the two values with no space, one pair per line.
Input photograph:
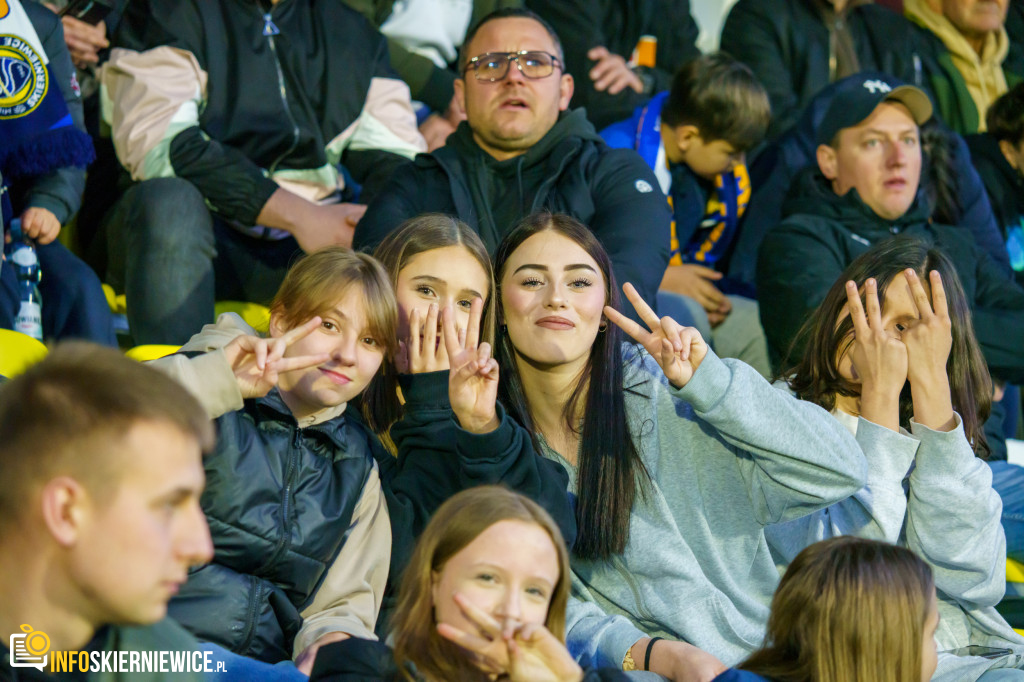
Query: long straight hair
[426,232]
[454,525]
[847,610]
[823,339]
[610,468]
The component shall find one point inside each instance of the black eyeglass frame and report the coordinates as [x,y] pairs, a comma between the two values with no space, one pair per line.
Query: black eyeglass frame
[473,63]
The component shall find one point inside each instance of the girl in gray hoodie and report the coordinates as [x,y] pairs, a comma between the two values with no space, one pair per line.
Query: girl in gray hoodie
[902,371]
[676,459]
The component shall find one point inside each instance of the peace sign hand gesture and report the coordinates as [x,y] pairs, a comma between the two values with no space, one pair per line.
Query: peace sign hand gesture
[257,362]
[678,350]
[472,374]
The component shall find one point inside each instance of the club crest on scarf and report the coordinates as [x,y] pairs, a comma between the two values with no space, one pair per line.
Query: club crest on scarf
[23,77]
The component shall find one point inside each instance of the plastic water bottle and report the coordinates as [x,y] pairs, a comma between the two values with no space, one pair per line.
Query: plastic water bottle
[29,319]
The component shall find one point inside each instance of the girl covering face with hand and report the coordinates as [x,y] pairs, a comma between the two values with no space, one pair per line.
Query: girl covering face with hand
[676,458]
[891,353]
[443,281]
[483,598]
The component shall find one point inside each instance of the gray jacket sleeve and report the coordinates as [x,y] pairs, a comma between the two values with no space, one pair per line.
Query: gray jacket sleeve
[876,511]
[59,191]
[794,456]
[954,518]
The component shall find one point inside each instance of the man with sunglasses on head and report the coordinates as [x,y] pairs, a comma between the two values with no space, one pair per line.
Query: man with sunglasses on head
[521,150]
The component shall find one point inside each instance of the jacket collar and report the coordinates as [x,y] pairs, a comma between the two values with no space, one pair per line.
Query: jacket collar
[812,194]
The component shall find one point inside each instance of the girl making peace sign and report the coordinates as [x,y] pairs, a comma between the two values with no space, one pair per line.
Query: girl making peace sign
[677,459]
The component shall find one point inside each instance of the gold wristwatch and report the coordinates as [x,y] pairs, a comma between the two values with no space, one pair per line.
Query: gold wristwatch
[627,661]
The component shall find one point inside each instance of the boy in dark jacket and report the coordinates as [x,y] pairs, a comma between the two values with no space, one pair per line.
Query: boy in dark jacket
[694,139]
[520,151]
[999,157]
[866,188]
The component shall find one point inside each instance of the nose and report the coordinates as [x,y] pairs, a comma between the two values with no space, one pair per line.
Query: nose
[509,606]
[515,71]
[897,155]
[345,352]
[554,297]
[194,545]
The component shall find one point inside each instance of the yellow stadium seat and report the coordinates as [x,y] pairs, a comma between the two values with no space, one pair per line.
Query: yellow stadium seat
[18,352]
[114,301]
[1014,571]
[150,352]
[255,315]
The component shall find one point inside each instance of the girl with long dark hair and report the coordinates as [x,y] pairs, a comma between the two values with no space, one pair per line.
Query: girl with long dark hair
[891,354]
[676,458]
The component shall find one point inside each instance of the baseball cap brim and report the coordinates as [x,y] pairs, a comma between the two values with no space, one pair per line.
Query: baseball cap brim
[913,99]
[850,107]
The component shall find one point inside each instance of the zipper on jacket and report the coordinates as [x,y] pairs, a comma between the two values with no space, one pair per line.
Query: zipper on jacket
[270,30]
[255,597]
[289,474]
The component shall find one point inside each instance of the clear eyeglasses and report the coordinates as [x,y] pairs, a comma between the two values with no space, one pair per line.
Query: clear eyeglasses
[493,66]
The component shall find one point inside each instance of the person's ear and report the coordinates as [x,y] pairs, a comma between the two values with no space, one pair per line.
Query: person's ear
[566,87]
[460,93]
[65,507]
[277,327]
[685,136]
[828,161]
[435,582]
[1009,152]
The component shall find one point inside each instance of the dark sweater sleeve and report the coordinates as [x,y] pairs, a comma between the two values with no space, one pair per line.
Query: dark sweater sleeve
[633,222]
[437,458]
[977,209]
[59,191]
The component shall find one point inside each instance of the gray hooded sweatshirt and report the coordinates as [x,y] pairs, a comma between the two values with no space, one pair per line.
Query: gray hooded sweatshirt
[727,454]
[927,491]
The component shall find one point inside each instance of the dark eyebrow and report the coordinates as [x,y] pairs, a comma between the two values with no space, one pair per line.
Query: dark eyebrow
[544,268]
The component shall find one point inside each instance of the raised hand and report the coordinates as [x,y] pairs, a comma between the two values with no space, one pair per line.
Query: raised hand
[677,349]
[879,360]
[525,653]
[422,351]
[473,373]
[928,343]
[930,339]
[258,362]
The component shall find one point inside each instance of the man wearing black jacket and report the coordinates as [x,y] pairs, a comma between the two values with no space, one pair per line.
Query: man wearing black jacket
[245,122]
[520,150]
[865,189]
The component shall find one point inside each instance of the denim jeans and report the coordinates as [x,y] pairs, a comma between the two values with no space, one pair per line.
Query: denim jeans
[241,669]
[1008,481]
[172,258]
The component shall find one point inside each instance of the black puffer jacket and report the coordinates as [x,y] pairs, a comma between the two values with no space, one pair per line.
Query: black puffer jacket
[822,233]
[279,500]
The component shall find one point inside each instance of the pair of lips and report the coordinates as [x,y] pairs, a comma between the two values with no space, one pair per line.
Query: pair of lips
[336,377]
[555,322]
[895,183]
[514,103]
